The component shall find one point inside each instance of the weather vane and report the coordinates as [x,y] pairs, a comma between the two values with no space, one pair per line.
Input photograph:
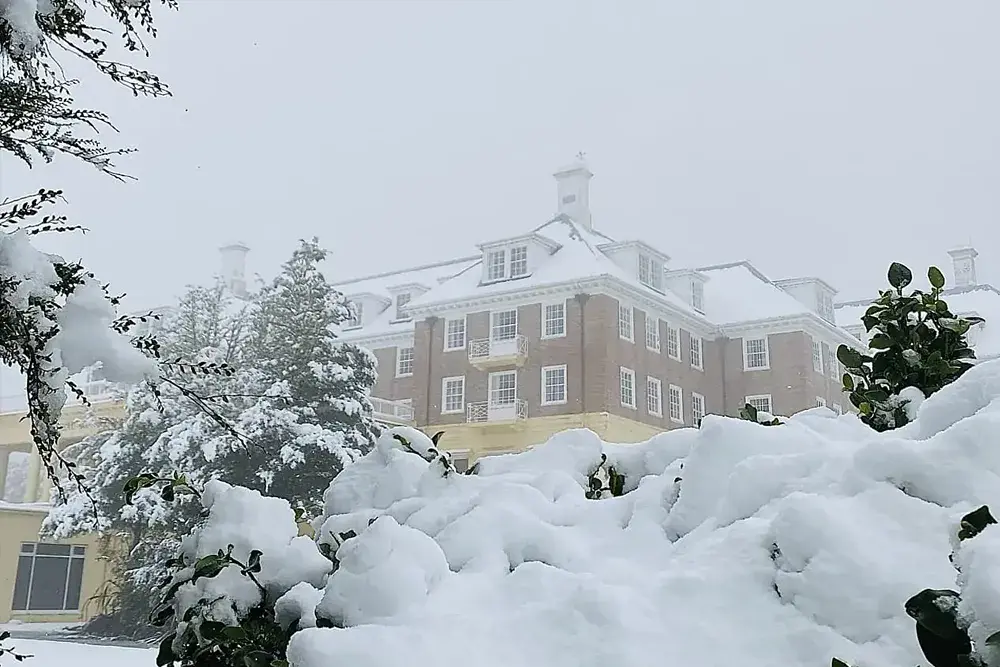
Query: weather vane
[580,156]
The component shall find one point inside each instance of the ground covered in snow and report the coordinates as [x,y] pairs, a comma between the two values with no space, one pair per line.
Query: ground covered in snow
[735,544]
[66,654]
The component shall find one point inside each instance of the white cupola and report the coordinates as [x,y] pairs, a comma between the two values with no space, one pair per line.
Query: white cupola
[573,191]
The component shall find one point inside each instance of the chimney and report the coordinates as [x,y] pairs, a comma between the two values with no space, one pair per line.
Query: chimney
[573,190]
[963,263]
[234,267]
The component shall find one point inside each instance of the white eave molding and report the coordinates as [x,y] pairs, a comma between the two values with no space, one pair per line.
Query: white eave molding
[810,323]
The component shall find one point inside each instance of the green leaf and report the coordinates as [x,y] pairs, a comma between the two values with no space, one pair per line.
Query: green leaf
[258,659]
[211,629]
[279,663]
[936,610]
[877,395]
[848,382]
[848,356]
[865,408]
[167,493]
[253,562]
[935,277]
[899,275]
[993,639]
[165,655]
[234,633]
[880,342]
[975,522]
[838,663]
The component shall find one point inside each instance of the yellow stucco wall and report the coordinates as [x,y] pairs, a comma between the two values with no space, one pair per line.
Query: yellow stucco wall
[19,525]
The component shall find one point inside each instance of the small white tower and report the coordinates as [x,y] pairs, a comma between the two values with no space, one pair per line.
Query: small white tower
[234,268]
[963,262]
[573,190]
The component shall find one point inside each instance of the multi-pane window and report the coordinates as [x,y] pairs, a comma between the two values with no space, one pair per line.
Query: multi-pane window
[825,305]
[404,361]
[650,272]
[496,265]
[554,320]
[503,388]
[519,261]
[820,402]
[625,322]
[833,366]
[355,319]
[454,334]
[698,295]
[401,301]
[761,403]
[673,342]
[697,408]
[627,386]
[696,350]
[755,354]
[654,397]
[652,333]
[553,385]
[503,324]
[49,577]
[838,409]
[453,394]
[676,404]
[817,349]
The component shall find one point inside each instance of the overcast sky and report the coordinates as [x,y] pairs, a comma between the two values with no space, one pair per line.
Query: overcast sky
[810,138]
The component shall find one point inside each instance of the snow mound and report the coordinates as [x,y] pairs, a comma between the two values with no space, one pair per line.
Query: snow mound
[733,544]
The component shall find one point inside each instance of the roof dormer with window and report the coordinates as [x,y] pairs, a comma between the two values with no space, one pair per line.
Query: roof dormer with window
[367,306]
[515,258]
[816,294]
[640,260]
[689,285]
[401,296]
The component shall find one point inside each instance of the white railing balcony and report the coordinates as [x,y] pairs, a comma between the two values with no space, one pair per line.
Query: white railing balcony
[486,412]
[488,352]
[393,412]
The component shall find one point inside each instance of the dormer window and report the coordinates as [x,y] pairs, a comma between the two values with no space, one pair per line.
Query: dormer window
[824,304]
[698,296]
[401,300]
[650,272]
[519,261]
[355,319]
[496,265]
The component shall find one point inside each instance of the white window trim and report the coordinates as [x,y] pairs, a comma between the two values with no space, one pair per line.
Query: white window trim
[517,322]
[696,395]
[510,262]
[813,347]
[820,402]
[465,333]
[444,395]
[659,394]
[545,336]
[676,330]
[838,408]
[565,384]
[767,355]
[622,374]
[631,320]
[680,404]
[701,352]
[770,403]
[412,361]
[656,324]
[489,386]
[505,265]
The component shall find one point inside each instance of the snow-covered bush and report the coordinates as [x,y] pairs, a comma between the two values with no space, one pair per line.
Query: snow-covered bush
[919,347]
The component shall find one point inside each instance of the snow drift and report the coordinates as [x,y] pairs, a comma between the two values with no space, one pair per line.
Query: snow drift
[734,544]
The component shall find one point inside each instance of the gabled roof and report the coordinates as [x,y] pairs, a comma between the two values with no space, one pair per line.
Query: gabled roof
[737,292]
[428,275]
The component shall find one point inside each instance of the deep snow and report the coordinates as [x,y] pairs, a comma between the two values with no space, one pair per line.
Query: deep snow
[66,654]
[781,545]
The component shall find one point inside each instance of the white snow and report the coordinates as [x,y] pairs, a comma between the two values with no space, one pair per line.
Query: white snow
[64,654]
[20,16]
[737,293]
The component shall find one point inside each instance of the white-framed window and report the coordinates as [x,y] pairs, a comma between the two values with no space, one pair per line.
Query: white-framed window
[626,381]
[652,333]
[838,408]
[503,388]
[554,320]
[49,577]
[825,302]
[503,324]
[553,385]
[654,397]
[697,408]
[496,264]
[676,404]
[755,357]
[452,395]
[696,353]
[625,317]
[817,350]
[650,272]
[833,366]
[404,361]
[673,342]
[698,295]
[454,334]
[401,301]
[820,402]
[460,460]
[355,319]
[762,403]
[519,261]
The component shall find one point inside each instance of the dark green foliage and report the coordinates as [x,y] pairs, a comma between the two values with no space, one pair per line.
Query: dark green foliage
[6,650]
[917,342]
[605,481]
[750,413]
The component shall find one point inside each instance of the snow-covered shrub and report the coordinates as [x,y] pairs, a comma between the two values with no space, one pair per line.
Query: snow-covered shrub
[751,414]
[919,347]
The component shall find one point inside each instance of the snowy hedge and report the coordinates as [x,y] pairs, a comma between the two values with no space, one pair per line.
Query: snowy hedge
[732,544]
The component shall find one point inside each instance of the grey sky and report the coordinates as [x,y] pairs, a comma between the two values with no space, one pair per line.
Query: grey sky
[811,138]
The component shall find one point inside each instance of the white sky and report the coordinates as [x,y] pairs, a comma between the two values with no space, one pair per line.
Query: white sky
[811,138]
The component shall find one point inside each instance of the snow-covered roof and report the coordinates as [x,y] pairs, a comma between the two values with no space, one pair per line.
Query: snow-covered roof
[738,292]
[981,300]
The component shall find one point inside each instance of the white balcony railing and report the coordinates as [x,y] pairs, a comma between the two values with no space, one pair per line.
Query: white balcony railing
[484,349]
[394,411]
[486,412]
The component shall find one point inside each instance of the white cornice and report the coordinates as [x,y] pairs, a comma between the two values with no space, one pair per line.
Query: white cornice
[810,323]
[373,341]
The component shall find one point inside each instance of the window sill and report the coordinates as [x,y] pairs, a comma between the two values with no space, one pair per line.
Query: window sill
[698,368]
[41,612]
[676,421]
[658,415]
[548,403]
[627,340]
[754,370]
[548,337]
[677,359]
[404,375]
[453,412]
[455,349]
[653,349]
[630,407]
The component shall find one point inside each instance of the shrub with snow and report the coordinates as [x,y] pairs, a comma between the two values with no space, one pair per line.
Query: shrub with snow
[919,347]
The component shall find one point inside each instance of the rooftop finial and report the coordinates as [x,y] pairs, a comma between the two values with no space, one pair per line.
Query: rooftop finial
[581,156]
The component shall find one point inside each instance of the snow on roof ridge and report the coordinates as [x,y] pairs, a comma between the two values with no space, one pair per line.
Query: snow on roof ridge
[745,263]
[951,291]
[412,269]
[562,217]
